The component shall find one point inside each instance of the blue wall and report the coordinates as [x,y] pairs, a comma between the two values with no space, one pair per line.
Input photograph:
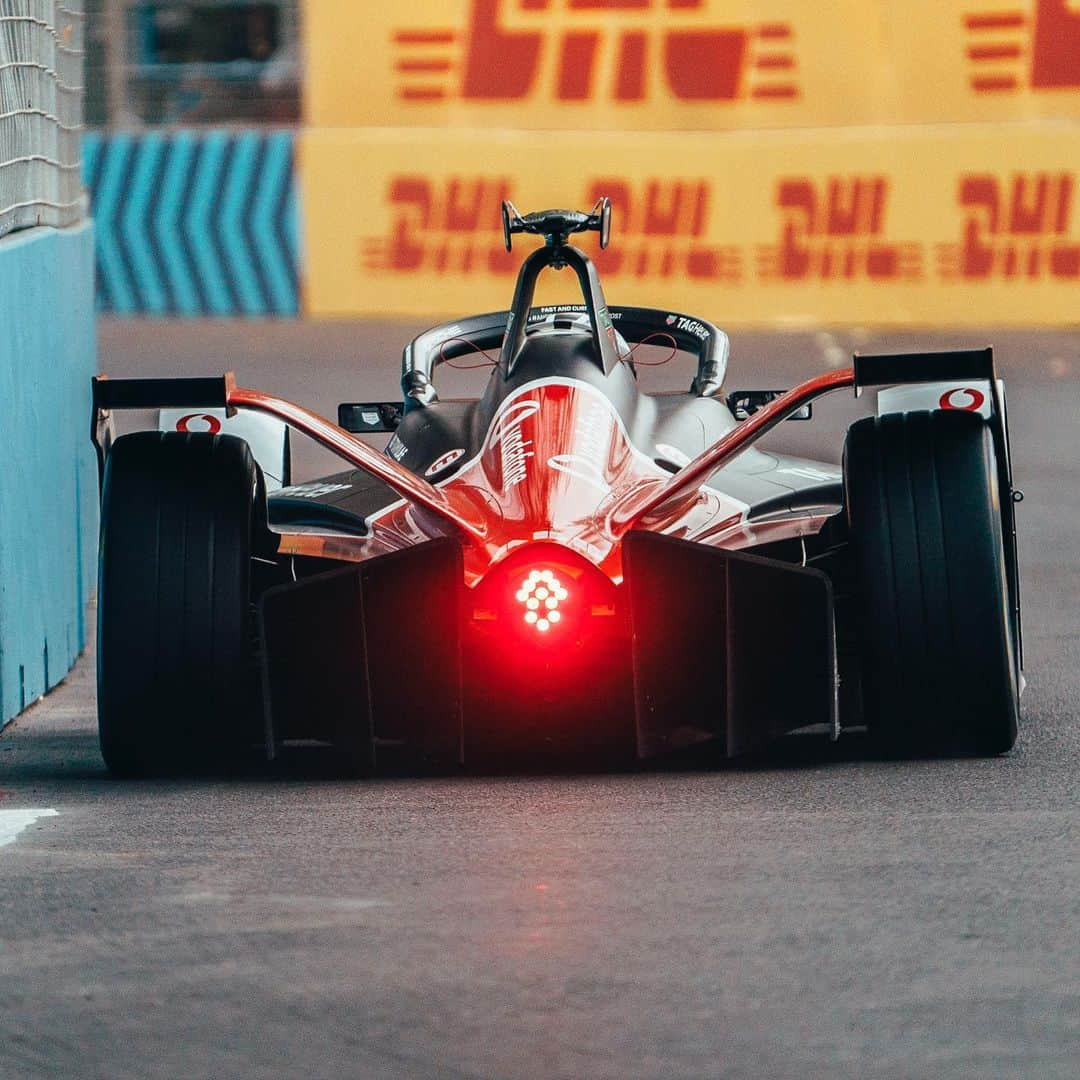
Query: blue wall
[195,223]
[48,478]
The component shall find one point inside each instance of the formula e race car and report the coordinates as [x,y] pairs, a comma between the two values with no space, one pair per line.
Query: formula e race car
[565,566]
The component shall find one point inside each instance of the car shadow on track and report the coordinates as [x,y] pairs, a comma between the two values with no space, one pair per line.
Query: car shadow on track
[35,756]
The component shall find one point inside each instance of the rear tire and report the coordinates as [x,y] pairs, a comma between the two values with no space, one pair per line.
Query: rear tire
[939,669]
[176,673]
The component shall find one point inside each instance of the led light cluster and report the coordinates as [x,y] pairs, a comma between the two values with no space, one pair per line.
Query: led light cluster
[540,594]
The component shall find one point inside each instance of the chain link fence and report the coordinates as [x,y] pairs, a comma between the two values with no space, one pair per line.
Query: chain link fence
[41,75]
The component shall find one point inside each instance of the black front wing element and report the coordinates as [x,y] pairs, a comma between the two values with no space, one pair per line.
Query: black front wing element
[706,646]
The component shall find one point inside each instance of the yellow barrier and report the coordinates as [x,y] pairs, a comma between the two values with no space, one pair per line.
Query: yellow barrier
[907,225]
[652,65]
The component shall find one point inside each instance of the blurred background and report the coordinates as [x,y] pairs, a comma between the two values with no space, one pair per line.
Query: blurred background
[887,162]
[169,62]
[293,188]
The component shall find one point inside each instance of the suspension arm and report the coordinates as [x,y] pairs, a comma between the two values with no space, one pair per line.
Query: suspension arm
[650,497]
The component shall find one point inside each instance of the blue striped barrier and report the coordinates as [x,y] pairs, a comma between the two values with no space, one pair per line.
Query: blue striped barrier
[195,223]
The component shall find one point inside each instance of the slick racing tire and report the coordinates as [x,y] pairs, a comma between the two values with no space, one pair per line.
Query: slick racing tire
[939,668]
[176,676]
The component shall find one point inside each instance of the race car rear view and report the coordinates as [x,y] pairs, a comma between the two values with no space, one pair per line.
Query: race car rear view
[566,565]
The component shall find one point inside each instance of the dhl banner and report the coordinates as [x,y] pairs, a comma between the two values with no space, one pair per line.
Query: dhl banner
[970,224]
[653,65]
[607,64]
[985,59]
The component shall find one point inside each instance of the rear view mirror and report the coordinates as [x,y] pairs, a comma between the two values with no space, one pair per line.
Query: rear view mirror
[370,417]
[744,403]
[605,222]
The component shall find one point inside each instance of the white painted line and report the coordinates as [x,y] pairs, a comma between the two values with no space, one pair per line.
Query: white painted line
[12,822]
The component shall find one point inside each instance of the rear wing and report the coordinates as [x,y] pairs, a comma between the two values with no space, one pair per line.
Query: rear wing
[961,366]
[109,394]
[162,393]
[895,369]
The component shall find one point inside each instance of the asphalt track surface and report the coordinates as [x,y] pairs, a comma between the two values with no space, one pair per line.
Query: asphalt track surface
[815,914]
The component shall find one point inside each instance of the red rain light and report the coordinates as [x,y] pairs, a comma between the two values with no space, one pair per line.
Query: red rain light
[540,595]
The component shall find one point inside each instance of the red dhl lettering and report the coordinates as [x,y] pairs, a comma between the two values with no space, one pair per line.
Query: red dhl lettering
[663,223]
[447,227]
[834,231]
[1015,227]
[999,41]
[511,51]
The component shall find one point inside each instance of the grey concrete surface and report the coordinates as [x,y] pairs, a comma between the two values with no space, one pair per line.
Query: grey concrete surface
[817,915]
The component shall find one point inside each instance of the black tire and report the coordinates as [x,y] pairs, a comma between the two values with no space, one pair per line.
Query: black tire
[176,673]
[939,668]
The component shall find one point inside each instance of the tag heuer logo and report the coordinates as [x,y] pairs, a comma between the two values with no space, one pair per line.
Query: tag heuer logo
[672,320]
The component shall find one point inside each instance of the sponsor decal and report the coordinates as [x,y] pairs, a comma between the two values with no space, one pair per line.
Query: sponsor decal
[444,461]
[313,491]
[396,448]
[514,448]
[580,51]
[1018,226]
[900,399]
[199,422]
[551,310]
[1013,50]
[691,326]
[834,230]
[964,399]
